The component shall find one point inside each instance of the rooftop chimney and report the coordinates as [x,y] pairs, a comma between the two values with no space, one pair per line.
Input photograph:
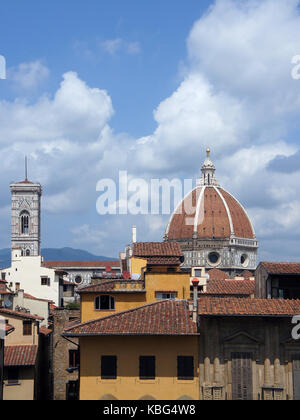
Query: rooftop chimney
[134,234]
[195,283]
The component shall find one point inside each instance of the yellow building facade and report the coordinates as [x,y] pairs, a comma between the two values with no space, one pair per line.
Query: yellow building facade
[128,385]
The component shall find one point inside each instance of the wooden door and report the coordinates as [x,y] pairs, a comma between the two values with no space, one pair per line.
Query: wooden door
[296,376]
[242,386]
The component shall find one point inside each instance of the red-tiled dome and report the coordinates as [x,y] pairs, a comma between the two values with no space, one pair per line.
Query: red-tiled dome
[209,212]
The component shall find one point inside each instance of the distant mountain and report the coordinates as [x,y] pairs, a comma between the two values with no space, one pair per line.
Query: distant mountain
[57,254]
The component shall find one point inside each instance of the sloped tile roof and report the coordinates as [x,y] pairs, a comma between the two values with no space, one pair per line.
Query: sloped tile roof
[168,317]
[20,314]
[230,287]
[110,286]
[216,274]
[28,296]
[156,249]
[282,267]
[9,328]
[81,264]
[45,331]
[247,274]
[20,355]
[230,306]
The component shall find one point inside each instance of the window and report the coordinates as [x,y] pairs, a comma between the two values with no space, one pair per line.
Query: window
[27,327]
[17,286]
[25,223]
[78,279]
[185,367]
[27,253]
[147,367]
[45,281]
[214,258]
[105,302]
[109,367]
[12,375]
[74,358]
[166,295]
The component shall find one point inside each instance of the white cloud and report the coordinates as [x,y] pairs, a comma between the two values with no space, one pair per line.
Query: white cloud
[236,96]
[28,76]
[114,46]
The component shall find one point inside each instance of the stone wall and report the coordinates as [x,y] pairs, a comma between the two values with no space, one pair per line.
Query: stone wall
[60,352]
[269,346]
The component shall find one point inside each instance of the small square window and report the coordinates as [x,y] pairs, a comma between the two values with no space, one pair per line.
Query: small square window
[45,281]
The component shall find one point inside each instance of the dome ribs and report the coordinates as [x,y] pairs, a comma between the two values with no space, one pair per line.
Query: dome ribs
[241,223]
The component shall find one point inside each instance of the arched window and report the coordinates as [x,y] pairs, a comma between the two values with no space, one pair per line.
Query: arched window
[24,223]
[104,302]
[27,252]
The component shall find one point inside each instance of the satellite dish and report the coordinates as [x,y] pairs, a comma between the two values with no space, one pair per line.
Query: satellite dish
[7,304]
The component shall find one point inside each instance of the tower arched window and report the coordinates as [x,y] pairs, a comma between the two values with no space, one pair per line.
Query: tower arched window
[24,223]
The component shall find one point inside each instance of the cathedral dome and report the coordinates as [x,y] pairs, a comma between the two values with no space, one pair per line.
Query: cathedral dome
[209,212]
[208,218]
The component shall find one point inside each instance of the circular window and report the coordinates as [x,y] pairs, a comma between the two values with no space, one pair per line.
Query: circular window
[245,260]
[78,280]
[214,258]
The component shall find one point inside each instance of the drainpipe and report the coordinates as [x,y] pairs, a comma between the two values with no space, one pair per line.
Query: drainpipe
[195,283]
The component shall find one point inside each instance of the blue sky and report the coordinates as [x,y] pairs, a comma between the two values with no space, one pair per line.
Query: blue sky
[66,35]
[96,87]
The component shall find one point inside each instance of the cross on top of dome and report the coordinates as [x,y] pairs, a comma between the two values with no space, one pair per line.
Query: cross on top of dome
[208,172]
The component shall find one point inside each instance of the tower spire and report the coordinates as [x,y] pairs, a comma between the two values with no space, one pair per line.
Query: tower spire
[26,178]
[208,172]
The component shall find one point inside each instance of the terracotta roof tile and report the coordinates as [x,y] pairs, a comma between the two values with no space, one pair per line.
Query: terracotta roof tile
[20,355]
[156,249]
[230,287]
[230,306]
[213,220]
[110,286]
[85,264]
[20,314]
[167,317]
[282,267]
[247,274]
[216,274]
[45,331]
[9,328]
[28,296]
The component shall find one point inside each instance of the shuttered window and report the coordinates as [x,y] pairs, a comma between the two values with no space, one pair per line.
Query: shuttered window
[147,367]
[74,358]
[185,367]
[109,367]
[27,327]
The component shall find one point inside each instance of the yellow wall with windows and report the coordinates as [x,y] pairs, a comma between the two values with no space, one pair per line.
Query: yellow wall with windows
[179,282]
[128,386]
[24,389]
[123,302]
[127,300]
